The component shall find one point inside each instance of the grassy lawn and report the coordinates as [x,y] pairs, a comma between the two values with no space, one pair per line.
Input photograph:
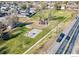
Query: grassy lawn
[21,43]
[54,33]
[56,13]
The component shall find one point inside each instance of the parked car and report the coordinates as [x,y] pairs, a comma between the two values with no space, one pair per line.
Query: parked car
[60,37]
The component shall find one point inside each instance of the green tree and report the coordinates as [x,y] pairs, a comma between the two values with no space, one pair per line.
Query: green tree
[23,7]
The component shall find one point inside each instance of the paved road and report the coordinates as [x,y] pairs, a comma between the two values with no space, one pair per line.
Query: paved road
[75,49]
[54,47]
[64,44]
[71,44]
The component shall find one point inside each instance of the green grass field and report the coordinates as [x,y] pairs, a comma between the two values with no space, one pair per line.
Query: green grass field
[56,13]
[21,43]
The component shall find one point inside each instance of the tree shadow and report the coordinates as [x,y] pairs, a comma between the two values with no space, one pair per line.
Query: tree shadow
[60,17]
[8,36]
[14,36]
[20,24]
[3,50]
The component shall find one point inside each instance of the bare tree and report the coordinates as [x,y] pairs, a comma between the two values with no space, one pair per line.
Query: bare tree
[57,5]
[43,5]
[2,29]
[12,20]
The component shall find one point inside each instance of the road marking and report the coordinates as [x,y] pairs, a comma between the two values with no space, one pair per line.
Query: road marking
[56,45]
[69,40]
[60,47]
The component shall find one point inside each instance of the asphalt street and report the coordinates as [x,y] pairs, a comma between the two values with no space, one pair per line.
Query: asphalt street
[55,45]
[71,45]
[72,34]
